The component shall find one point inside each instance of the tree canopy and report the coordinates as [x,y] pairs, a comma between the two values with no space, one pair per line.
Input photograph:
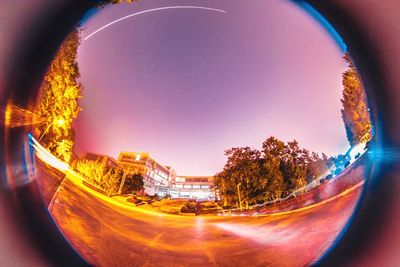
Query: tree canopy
[108,178]
[355,113]
[133,183]
[251,176]
[57,106]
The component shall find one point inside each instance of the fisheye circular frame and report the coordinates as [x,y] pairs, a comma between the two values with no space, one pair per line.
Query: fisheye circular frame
[32,32]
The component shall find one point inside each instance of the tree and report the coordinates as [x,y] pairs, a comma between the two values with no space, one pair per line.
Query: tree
[276,171]
[252,185]
[241,177]
[133,183]
[111,179]
[223,183]
[354,111]
[94,172]
[273,152]
[292,162]
[57,106]
[294,166]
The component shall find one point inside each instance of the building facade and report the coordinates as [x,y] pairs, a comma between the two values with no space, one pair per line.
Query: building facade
[156,177]
[198,187]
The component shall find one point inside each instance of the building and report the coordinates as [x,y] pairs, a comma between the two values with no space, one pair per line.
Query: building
[172,175]
[156,177]
[162,180]
[102,159]
[199,187]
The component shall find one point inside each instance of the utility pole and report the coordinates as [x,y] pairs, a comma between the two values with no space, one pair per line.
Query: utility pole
[125,173]
[240,199]
[45,131]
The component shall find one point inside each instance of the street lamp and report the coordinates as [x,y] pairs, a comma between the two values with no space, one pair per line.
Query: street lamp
[240,199]
[60,122]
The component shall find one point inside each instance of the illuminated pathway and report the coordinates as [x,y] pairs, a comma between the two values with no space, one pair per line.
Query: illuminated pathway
[117,235]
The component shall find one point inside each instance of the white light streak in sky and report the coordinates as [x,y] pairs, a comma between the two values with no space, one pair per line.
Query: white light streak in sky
[151,10]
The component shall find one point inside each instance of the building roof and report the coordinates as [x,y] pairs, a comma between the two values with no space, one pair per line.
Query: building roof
[96,156]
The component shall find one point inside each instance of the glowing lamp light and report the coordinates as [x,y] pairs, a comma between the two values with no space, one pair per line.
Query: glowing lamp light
[46,156]
[60,122]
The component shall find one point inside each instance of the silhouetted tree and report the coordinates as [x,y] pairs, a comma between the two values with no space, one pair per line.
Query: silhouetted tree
[294,166]
[133,183]
[258,176]
[273,152]
[241,176]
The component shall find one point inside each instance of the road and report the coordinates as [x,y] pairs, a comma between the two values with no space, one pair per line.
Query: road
[109,233]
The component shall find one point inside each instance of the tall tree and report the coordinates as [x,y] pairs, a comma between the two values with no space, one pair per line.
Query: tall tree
[241,180]
[107,178]
[294,166]
[57,106]
[250,176]
[354,111]
[273,152]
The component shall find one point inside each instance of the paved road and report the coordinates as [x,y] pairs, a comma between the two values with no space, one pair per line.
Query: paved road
[107,234]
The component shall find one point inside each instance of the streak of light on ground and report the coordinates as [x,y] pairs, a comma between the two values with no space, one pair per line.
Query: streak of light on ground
[107,233]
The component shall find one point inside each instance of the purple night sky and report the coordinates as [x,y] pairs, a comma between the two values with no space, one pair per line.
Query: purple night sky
[186,84]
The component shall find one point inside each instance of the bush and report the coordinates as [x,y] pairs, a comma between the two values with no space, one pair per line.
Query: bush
[189,207]
[138,202]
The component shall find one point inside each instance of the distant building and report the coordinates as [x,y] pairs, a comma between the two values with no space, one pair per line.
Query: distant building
[156,177]
[199,187]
